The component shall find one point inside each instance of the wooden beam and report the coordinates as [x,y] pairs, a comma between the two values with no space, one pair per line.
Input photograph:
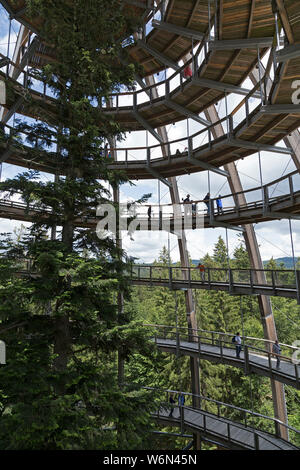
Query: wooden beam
[179,30]
[250,22]
[270,126]
[285,21]
[233,44]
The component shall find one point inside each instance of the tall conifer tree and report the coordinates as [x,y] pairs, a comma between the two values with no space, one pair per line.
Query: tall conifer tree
[59,389]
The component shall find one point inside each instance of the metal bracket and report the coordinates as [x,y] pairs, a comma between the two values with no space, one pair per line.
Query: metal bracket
[147,126]
[4,61]
[186,112]
[281,215]
[251,43]
[157,55]
[225,225]
[215,85]
[257,146]
[181,31]
[13,110]
[289,52]
[158,176]
[208,166]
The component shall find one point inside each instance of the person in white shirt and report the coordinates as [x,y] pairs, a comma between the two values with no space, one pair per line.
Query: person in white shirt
[238,345]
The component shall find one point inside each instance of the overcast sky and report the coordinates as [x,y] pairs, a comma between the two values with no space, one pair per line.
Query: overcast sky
[273,237]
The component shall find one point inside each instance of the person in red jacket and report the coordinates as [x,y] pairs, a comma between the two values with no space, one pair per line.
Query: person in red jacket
[201,268]
[187,72]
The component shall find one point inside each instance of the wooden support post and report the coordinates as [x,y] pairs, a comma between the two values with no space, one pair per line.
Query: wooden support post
[298,285]
[277,429]
[297,376]
[190,147]
[189,276]
[265,306]
[170,277]
[221,346]
[291,186]
[181,409]
[266,205]
[256,441]
[228,432]
[246,356]
[177,343]
[230,286]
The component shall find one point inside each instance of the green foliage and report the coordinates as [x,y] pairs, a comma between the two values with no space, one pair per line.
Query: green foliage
[45,406]
[66,331]
[216,311]
[63,324]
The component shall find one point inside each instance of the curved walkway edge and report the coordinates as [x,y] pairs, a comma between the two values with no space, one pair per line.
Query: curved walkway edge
[233,435]
[251,362]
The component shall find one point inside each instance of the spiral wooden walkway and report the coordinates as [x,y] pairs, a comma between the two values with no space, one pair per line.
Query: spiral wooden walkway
[244,32]
[256,355]
[224,431]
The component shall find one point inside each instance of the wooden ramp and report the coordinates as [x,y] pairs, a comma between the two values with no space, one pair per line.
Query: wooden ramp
[234,435]
[254,362]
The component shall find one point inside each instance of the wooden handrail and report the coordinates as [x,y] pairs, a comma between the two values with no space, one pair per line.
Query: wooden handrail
[215,269]
[227,405]
[217,333]
[288,359]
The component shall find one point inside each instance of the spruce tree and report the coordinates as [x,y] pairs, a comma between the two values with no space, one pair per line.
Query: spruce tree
[59,389]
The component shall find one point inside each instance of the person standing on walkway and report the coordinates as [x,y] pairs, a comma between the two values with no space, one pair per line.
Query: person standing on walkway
[187,206]
[238,345]
[201,268]
[277,351]
[187,72]
[206,201]
[106,150]
[181,399]
[194,209]
[172,403]
[219,205]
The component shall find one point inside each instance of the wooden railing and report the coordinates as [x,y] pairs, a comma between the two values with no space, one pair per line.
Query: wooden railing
[290,189]
[241,417]
[284,283]
[222,342]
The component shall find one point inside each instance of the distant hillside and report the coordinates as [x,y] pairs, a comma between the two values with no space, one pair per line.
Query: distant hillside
[287,260]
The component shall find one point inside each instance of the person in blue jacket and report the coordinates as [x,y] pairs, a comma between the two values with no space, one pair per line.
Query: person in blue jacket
[219,205]
[181,399]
